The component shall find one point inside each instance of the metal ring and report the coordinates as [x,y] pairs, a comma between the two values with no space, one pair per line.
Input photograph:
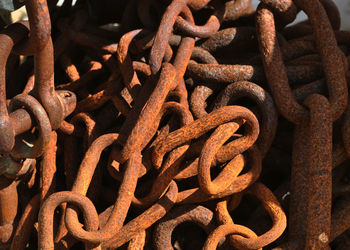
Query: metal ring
[24,149]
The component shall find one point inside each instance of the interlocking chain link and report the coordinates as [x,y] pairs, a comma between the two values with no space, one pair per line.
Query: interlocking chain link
[174,124]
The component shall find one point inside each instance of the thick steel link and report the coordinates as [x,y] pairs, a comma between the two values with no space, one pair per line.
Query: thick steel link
[128,104]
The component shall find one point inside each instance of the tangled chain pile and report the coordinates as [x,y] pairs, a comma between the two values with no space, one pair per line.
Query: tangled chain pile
[183,124]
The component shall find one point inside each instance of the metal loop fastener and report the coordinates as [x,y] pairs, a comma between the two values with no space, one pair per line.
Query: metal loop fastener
[31,148]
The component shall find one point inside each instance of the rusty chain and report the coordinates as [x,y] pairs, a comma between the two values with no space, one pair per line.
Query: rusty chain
[174,124]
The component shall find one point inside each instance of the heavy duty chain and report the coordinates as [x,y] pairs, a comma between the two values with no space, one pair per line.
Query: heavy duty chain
[182,124]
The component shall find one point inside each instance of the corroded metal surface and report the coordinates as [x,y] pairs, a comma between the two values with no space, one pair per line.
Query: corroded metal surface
[183,124]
